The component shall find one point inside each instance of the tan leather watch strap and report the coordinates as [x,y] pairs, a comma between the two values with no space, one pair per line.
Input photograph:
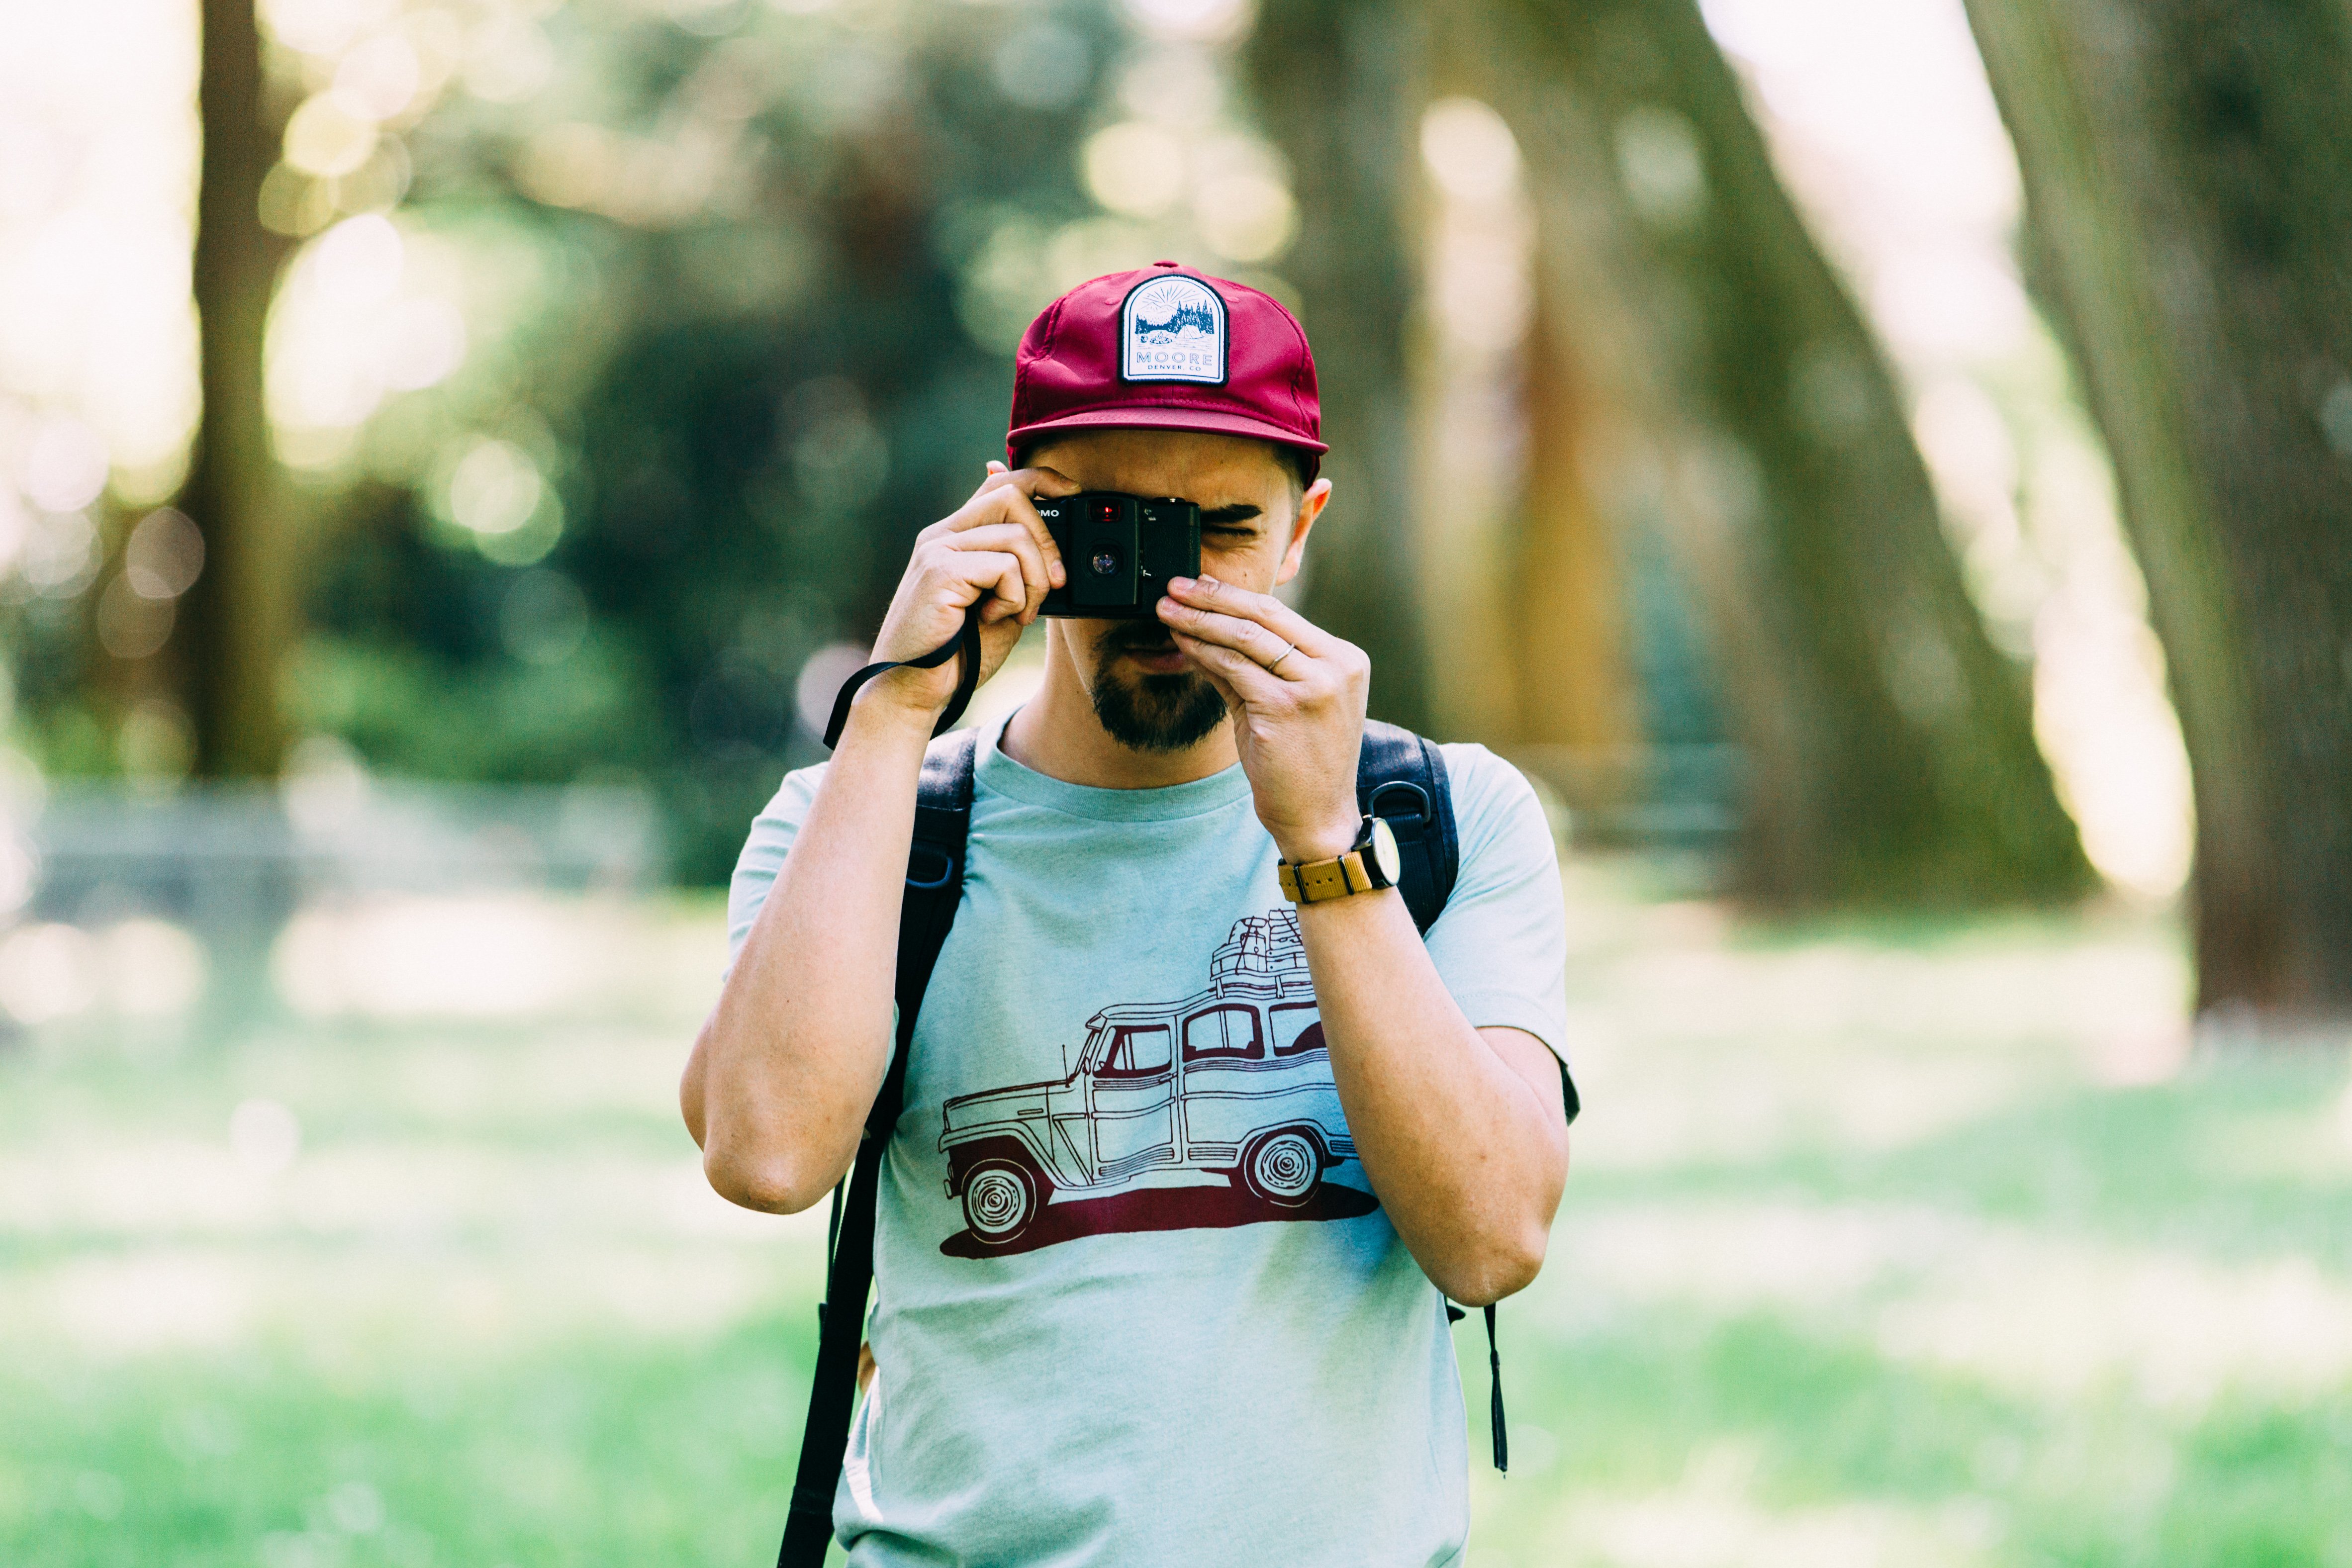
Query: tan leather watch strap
[1318,880]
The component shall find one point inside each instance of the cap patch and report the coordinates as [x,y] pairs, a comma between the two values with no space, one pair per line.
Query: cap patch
[1172,328]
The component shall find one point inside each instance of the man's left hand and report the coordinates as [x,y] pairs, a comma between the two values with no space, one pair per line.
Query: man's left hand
[1296,694]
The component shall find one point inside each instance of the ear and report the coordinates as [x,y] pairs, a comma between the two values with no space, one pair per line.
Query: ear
[1310,506]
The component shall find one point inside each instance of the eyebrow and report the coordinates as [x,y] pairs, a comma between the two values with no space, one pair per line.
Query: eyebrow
[1227,516]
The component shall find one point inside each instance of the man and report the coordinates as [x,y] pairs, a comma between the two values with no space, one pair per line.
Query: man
[1168,1365]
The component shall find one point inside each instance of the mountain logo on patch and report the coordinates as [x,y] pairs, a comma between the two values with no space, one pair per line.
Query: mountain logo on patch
[1172,328]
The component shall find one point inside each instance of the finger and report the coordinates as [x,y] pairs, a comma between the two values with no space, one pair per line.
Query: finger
[994,575]
[989,480]
[1225,688]
[1008,502]
[970,575]
[1036,562]
[1223,597]
[1259,645]
[1028,481]
[998,475]
[1024,510]
[1043,481]
[1245,676]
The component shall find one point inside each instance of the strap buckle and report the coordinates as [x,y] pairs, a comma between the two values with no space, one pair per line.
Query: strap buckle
[1420,796]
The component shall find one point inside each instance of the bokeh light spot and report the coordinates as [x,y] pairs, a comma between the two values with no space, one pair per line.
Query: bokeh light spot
[46,972]
[154,969]
[165,555]
[1135,168]
[132,625]
[323,138]
[1248,217]
[1469,150]
[358,261]
[493,489]
[378,79]
[65,467]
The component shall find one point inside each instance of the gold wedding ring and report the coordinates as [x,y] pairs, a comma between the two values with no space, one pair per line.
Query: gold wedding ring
[1276,662]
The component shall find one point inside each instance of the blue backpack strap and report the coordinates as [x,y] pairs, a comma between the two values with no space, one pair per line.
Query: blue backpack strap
[1402,777]
[926,910]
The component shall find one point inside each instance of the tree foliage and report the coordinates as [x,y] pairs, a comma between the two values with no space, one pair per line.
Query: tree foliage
[743,399]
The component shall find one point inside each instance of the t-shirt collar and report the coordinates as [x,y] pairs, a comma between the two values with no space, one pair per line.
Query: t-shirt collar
[1000,773]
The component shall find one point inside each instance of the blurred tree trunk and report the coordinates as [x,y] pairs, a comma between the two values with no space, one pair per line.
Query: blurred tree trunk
[239,616]
[1340,83]
[1747,408]
[2189,178]
[1575,687]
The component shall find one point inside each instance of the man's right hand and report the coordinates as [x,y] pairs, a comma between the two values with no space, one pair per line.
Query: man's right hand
[784,1073]
[993,547]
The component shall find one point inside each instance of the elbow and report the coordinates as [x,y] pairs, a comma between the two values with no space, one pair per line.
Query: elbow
[768,1181]
[1495,1267]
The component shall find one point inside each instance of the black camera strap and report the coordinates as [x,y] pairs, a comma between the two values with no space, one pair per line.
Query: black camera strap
[927,908]
[967,641]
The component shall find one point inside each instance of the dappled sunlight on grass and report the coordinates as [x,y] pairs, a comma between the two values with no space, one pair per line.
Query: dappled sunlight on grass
[1898,1243]
[1711,1519]
[483,954]
[1916,1242]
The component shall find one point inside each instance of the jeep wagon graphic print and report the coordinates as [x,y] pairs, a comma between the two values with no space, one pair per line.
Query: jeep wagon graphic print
[1214,1111]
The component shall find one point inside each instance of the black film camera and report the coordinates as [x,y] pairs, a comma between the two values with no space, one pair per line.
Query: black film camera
[1119,551]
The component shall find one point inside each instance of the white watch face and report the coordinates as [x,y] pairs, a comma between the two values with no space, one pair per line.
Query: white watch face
[1384,853]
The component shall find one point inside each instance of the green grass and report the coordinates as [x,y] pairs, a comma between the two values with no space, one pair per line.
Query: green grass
[1885,1244]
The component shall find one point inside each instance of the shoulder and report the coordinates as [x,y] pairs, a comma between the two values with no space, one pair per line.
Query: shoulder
[778,823]
[764,849]
[788,808]
[1492,801]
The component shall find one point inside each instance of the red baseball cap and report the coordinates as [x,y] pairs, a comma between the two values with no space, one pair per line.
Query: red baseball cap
[1164,347]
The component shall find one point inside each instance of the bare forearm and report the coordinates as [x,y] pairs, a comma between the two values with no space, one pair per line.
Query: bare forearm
[1464,1151]
[784,1071]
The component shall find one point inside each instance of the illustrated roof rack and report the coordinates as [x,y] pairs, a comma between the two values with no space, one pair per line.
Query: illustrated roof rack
[1265,948]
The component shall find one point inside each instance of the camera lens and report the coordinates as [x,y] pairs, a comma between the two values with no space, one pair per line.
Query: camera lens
[1105,562]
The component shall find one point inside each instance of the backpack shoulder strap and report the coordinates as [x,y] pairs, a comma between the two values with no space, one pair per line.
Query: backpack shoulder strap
[1401,776]
[934,887]
[927,908]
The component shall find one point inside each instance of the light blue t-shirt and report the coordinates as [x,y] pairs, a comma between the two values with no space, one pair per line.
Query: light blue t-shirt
[1136,1304]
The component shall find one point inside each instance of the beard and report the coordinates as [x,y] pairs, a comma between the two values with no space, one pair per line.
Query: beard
[1151,713]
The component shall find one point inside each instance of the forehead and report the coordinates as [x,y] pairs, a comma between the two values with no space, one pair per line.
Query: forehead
[1211,469]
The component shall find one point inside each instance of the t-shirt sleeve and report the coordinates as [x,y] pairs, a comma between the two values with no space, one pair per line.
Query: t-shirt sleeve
[770,841]
[1501,945]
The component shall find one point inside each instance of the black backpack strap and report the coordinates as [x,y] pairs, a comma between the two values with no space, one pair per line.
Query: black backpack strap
[927,908]
[1401,776]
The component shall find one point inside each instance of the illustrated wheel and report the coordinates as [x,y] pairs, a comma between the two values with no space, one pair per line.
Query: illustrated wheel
[1002,1196]
[1282,1169]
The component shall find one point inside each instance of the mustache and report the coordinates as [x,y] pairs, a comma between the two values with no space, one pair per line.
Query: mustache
[1136,637]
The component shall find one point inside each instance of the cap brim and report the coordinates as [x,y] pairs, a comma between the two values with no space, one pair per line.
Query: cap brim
[1132,416]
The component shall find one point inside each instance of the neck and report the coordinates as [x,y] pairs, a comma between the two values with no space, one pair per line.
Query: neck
[1056,733]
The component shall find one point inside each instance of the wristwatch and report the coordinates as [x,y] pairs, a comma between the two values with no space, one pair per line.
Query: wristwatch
[1371,864]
